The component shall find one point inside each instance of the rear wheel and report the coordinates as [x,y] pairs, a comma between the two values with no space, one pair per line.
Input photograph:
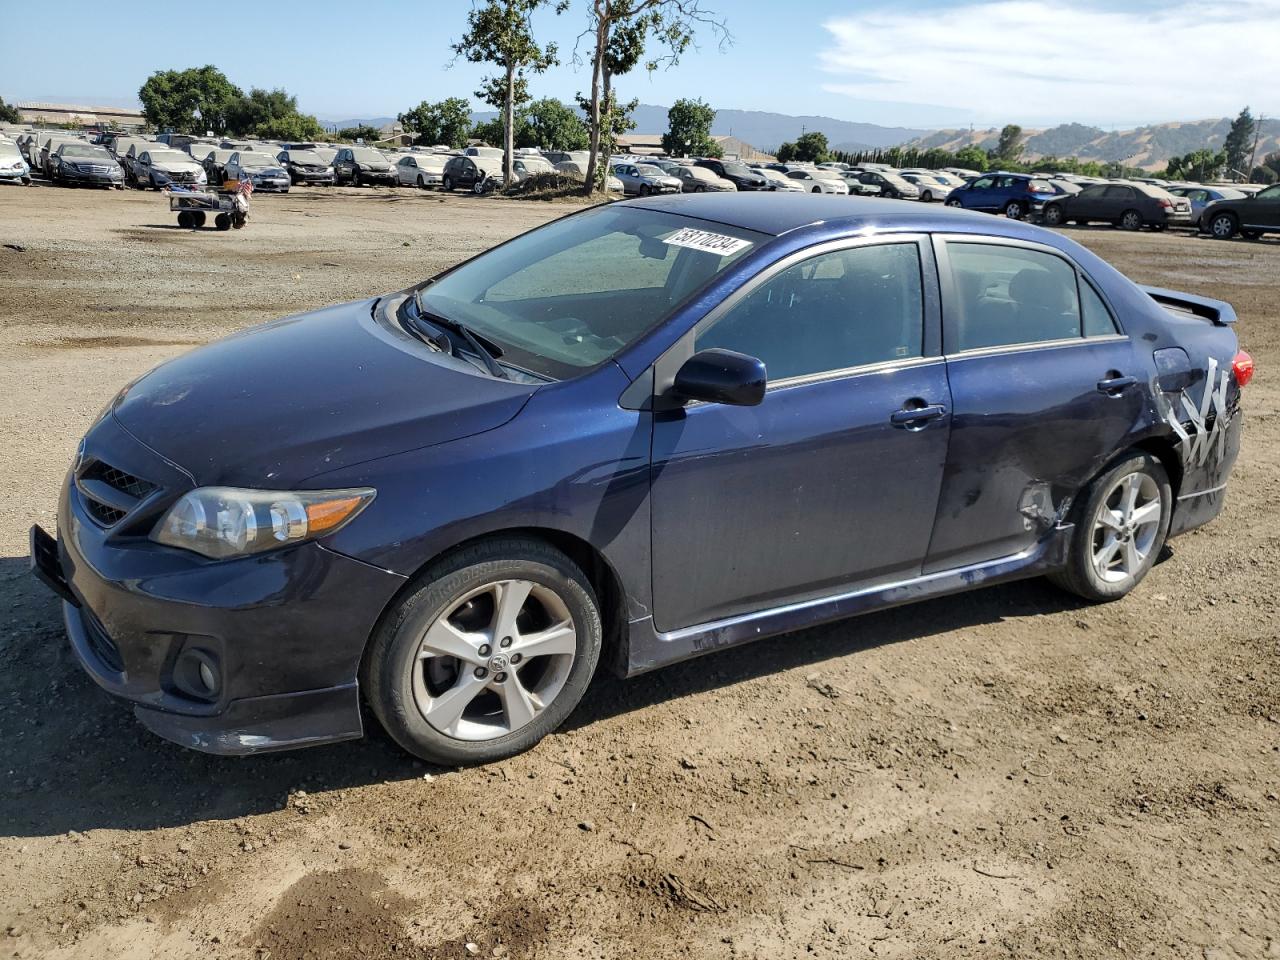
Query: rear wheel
[1015,210]
[487,656]
[1130,220]
[185,219]
[198,218]
[222,221]
[1120,529]
[927,196]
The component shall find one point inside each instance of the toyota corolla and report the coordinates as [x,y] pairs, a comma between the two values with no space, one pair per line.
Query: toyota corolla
[634,435]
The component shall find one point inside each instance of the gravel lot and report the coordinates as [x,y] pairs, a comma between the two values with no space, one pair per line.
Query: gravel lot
[1005,773]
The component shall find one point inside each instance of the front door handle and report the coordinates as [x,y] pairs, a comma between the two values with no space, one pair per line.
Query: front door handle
[1115,384]
[914,417]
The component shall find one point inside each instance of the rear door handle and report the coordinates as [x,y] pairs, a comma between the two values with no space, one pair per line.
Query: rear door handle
[917,416]
[1114,386]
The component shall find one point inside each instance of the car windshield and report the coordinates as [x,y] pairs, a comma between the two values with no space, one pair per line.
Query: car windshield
[258,160]
[170,156]
[736,169]
[431,161]
[94,153]
[536,165]
[305,156]
[368,154]
[649,170]
[574,293]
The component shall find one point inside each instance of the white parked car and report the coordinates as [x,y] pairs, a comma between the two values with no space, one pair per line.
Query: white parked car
[574,168]
[422,170]
[780,182]
[819,181]
[930,188]
[530,165]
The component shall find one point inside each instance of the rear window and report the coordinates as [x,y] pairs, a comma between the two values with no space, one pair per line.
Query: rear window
[1040,186]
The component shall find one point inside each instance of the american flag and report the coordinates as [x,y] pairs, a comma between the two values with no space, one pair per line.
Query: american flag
[245,187]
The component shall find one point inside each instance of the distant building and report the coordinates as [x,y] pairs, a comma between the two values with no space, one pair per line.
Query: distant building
[649,144]
[76,115]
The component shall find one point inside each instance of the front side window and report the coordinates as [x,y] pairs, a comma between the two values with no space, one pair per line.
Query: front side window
[574,293]
[1271,193]
[983,183]
[848,308]
[1009,295]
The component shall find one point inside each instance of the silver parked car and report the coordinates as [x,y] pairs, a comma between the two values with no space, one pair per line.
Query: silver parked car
[642,179]
[12,164]
[263,170]
[779,182]
[701,180]
[930,188]
[420,170]
[578,168]
[819,181]
[158,167]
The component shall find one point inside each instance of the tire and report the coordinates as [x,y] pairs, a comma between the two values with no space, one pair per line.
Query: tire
[1130,220]
[422,184]
[927,196]
[222,221]
[700,189]
[1015,210]
[198,217]
[1053,215]
[1223,226]
[955,203]
[446,184]
[1101,582]
[407,683]
[644,190]
[356,179]
[816,190]
[151,179]
[185,219]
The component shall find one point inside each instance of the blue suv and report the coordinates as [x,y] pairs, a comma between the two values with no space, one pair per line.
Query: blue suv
[1016,195]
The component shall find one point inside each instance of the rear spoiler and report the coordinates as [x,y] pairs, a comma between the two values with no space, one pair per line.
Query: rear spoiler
[1215,311]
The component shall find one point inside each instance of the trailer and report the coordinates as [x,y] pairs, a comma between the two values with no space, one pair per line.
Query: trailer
[194,207]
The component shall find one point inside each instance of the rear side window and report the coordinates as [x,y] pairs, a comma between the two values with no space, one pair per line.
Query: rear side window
[838,310]
[1009,295]
[1098,321]
[1119,193]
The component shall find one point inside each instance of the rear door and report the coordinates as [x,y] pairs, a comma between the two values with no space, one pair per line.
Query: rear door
[1044,391]
[1116,199]
[981,194]
[831,482]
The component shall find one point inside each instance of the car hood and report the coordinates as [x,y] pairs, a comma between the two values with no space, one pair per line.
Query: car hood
[277,404]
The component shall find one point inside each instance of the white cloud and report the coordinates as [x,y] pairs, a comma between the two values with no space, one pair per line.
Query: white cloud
[1037,61]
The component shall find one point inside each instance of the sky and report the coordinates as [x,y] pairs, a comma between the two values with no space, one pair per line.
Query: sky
[922,63]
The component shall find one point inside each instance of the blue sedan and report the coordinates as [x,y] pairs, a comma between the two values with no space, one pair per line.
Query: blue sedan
[637,434]
[1201,197]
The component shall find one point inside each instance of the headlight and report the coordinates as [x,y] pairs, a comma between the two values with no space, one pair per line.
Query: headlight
[328,169]
[220,522]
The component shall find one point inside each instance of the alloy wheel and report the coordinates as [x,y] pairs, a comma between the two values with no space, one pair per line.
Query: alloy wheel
[1132,220]
[1125,527]
[494,659]
[1013,211]
[1223,227]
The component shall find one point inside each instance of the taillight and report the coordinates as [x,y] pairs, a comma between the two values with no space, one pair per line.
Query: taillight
[1242,367]
[1167,204]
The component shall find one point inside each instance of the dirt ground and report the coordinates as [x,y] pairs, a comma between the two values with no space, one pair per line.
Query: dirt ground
[1005,773]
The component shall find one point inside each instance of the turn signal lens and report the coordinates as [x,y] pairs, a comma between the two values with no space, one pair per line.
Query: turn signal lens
[221,522]
[1242,366]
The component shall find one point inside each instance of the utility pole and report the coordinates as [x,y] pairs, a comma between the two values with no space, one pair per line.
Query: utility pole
[1257,132]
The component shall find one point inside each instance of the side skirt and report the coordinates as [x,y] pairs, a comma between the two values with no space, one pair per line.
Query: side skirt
[650,649]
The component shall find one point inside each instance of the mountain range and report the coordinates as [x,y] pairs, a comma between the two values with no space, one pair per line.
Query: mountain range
[1149,147]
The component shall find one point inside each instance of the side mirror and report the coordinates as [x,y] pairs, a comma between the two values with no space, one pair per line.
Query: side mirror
[722,376]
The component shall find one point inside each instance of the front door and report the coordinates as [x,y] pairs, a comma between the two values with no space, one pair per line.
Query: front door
[1263,210]
[1043,387]
[832,481]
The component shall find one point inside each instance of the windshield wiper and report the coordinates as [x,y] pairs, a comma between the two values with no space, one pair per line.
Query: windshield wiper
[488,354]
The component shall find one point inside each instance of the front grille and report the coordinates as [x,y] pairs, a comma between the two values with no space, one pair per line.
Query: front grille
[103,647]
[103,514]
[124,482]
[109,493]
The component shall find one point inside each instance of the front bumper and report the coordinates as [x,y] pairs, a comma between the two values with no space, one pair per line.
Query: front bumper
[272,185]
[99,179]
[311,176]
[282,633]
[19,174]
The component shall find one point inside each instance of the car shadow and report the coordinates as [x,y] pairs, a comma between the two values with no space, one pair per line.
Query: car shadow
[76,759]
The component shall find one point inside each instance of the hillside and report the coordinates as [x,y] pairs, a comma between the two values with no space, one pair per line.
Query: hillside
[1149,147]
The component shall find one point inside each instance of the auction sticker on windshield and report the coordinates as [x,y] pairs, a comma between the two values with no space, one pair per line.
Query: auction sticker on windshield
[707,242]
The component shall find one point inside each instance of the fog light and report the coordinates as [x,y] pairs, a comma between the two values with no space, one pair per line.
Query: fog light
[196,674]
[207,678]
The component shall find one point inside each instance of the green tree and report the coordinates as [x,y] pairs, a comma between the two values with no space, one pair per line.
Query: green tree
[196,99]
[9,114]
[620,31]
[448,122]
[554,125]
[294,126]
[811,147]
[1008,149]
[1239,142]
[689,130]
[362,132]
[260,107]
[971,158]
[501,32]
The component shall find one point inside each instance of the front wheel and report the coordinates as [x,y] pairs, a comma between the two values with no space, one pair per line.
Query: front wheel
[487,656]
[1053,215]
[954,203]
[446,184]
[422,184]
[1119,531]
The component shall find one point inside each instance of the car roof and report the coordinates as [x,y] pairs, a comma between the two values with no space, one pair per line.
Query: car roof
[777,213]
